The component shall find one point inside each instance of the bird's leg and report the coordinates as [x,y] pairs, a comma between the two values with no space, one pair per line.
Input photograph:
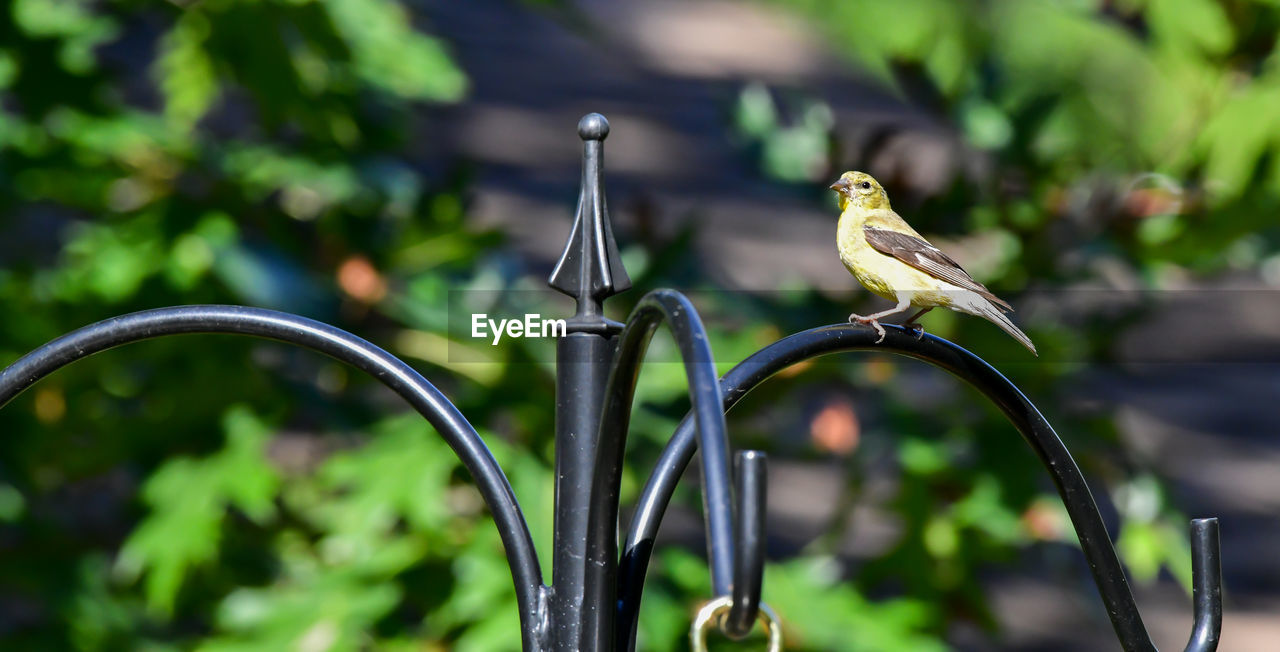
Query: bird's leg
[915,327]
[874,320]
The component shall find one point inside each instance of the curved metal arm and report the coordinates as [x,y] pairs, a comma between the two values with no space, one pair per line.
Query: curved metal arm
[678,313]
[1107,573]
[342,346]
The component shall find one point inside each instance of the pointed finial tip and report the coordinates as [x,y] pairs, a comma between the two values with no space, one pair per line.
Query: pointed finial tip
[593,126]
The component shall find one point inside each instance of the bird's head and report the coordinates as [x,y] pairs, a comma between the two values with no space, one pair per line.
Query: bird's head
[861,190]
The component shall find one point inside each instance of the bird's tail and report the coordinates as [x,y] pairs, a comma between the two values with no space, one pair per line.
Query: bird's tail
[979,306]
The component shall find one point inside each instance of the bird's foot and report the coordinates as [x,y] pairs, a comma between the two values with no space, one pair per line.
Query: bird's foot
[916,329]
[870,321]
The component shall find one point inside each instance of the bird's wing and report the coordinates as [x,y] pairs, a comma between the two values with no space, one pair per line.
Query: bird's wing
[928,259]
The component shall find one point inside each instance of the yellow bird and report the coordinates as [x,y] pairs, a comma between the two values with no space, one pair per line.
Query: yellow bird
[890,259]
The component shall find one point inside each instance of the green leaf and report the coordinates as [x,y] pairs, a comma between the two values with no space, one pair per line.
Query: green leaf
[185,71]
[1236,137]
[812,602]
[332,611]
[1142,548]
[404,471]
[389,54]
[54,17]
[754,112]
[70,21]
[12,504]
[985,125]
[984,509]
[483,589]
[109,262]
[189,499]
[924,457]
[1159,229]
[1199,23]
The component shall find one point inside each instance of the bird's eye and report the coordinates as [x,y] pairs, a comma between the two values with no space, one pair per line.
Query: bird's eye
[866,185]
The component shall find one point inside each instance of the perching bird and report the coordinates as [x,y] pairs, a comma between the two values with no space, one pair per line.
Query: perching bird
[890,259]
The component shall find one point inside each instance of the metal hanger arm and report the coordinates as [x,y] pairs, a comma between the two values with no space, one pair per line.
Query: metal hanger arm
[344,347]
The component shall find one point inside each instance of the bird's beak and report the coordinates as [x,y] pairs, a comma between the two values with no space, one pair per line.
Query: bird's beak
[841,185]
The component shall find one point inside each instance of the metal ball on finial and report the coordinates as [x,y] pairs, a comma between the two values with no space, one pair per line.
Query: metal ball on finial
[593,126]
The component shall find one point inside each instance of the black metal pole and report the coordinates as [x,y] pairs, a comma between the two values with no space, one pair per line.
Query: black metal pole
[590,270]
[578,604]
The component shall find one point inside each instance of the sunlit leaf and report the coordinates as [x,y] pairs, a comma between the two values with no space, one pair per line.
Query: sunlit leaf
[189,499]
[388,53]
[185,71]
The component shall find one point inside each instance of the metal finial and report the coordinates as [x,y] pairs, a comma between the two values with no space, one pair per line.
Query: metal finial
[590,269]
[593,126]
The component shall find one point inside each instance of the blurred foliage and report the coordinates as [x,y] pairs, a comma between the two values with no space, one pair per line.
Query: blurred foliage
[791,152]
[221,494]
[1139,131]
[239,152]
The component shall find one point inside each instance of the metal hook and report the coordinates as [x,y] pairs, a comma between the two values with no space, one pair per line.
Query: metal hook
[715,611]
[748,544]
[1206,578]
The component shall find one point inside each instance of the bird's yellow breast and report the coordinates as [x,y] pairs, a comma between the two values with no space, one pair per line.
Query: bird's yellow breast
[885,275]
